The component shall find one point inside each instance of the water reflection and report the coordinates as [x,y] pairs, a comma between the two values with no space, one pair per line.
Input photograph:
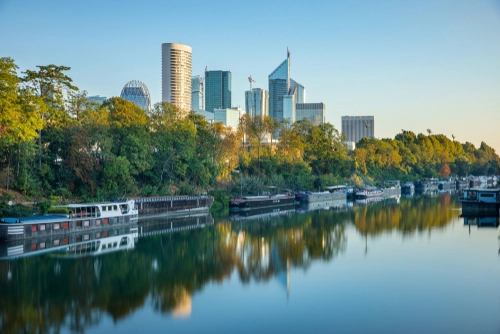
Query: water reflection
[174,258]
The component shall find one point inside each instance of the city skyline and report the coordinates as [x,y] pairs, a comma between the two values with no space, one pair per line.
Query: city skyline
[414,66]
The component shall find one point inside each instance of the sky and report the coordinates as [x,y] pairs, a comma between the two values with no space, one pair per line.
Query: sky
[414,65]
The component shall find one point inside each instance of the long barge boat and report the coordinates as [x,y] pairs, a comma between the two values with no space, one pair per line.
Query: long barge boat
[310,197]
[258,202]
[93,216]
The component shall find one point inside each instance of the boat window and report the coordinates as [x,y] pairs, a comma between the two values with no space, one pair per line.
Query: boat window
[33,228]
[57,226]
[487,195]
[104,208]
[115,244]
[124,241]
[115,207]
[110,207]
[41,227]
[103,246]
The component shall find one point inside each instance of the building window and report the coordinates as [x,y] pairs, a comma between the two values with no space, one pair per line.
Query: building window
[33,228]
[78,223]
[105,221]
[86,223]
[56,242]
[42,245]
[65,241]
[98,222]
[65,225]
[41,227]
[57,226]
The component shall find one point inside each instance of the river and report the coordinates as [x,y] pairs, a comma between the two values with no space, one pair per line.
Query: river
[409,265]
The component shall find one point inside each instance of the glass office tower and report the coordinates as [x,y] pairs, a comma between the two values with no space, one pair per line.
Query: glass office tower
[137,92]
[197,93]
[217,90]
[301,91]
[315,112]
[279,84]
[257,102]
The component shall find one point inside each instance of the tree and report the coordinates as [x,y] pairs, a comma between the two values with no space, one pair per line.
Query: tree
[444,171]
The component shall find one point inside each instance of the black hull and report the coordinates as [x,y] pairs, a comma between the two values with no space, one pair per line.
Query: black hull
[251,204]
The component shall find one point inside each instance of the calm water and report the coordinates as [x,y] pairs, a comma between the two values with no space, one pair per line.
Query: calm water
[407,266]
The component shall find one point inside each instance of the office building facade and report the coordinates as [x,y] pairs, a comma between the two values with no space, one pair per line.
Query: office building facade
[176,75]
[257,102]
[301,91]
[279,84]
[357,127]
[197,90]
[137,92]
[230,117]
[315,112]
[217,90]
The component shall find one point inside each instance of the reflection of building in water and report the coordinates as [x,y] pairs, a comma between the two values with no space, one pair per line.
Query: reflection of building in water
[183,307]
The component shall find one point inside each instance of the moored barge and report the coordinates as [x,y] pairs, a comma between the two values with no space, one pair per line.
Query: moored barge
[87,216]
[480,201]
[257,202]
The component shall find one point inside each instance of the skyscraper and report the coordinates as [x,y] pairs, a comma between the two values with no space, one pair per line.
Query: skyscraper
[301,91]
[257,102]
[197,93]
[137,92]
[217,90]
[357,127]
[279,84]
[176,75]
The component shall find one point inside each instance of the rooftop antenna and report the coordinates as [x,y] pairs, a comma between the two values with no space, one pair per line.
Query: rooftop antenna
[250,80]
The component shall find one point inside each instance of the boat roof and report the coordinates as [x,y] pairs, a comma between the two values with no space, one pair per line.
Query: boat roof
[79,205]
[334,187]
[34,219]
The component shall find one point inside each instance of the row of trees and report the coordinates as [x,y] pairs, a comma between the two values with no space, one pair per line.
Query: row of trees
[52,145]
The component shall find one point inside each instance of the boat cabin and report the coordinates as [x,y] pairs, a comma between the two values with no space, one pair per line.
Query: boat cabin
[481,195]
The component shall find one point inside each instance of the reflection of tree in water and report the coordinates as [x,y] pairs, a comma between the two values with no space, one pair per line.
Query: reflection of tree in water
[418,214]
[48,293]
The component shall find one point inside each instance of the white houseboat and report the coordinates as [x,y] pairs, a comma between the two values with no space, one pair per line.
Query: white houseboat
[80,217]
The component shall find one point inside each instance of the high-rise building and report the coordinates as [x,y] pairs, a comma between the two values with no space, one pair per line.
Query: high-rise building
[137,92]
[176,75]
[357,127]
[257,102]
[279,84]
[301,91]
[97,98]
[230,117]
[315,112]
[217,90]
[197,93]
[289,104]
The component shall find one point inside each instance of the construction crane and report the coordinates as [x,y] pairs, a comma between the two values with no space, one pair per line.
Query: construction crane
[250,80]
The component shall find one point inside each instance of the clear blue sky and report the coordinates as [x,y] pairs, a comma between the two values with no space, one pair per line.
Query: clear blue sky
[414,65]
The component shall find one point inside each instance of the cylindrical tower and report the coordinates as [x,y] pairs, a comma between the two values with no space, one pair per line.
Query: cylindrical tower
[176,75]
